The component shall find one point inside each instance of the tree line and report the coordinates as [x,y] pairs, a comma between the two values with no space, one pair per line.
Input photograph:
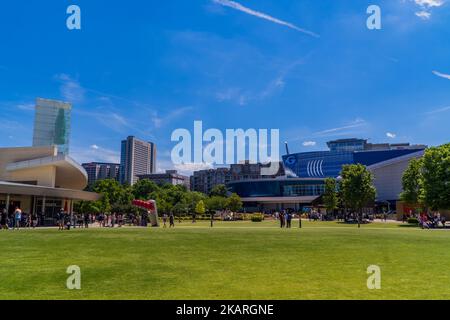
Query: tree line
[426,181]
[170,199]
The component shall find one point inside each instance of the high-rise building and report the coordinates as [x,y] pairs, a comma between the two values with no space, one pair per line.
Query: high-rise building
[137,158]
[52,124]
[100,171]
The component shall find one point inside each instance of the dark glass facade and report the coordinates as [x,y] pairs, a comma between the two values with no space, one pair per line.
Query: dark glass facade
[324,164]
[277,188]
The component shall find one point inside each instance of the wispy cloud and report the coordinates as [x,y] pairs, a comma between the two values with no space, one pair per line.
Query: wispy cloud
[342,130]
[309,143]
[95,153]
[426,6]
[423,15]
[391,135]
[159,121]
[442,75]
[240,7]
[440,110]
[70,89]
[429,3]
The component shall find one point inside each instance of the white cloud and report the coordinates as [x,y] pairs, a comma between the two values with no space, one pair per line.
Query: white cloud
[442,75]
[159,122]
[344,129]
[189,168]
[391,135]
[70,89]
[95,153]
[26,106]
[429,3]
[309,143]
[239,7]
[423,15]
[438,110]
[426,6]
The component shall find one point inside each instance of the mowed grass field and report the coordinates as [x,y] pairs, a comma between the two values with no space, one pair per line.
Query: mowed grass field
[233,260]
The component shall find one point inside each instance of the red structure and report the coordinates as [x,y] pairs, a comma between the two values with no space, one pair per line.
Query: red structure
[150,206]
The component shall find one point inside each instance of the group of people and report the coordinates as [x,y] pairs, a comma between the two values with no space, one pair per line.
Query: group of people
[285,218]
[68,221]
[428,221]
[171,218]
[17,219]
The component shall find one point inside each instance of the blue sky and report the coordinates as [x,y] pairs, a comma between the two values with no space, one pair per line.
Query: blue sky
[145,68]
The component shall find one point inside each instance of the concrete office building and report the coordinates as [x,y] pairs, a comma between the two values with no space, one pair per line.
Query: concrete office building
[205,180]
[137,157]
[169,177]
[52,124]
[100,171]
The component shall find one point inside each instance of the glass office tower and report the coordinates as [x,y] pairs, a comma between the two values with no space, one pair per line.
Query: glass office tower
[52,124]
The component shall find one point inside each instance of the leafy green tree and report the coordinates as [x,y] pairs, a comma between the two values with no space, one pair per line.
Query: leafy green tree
[412,183]
[330,196]
[143,188]
[357,188]
[193,198]
[436,177]
[214,204]
[83,207]
[112,188]
[234,203]
[200,208]
[219,190]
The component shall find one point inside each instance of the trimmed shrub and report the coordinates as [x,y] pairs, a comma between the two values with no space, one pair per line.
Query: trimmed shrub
[413,221]
[257,217]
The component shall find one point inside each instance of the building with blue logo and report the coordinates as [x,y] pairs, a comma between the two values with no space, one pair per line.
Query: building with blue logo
[306,172]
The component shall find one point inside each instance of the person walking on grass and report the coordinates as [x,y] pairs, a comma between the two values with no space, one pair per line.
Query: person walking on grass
[282,219]
[87,219]
[164,219]
[4,220]
[171,221]
[34,220]
[17,218]
[288,219]
[61,219]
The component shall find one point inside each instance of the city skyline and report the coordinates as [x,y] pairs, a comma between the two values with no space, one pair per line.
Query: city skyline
[337,81]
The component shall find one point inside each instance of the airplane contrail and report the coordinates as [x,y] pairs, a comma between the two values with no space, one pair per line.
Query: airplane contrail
[240,7]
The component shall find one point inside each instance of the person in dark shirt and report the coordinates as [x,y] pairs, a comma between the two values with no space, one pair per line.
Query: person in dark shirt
[288,220]
[171,221]
[4,219]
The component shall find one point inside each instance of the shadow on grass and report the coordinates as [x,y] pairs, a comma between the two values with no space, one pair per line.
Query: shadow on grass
[409,226]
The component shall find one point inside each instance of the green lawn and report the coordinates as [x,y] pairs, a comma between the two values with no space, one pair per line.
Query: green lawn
[234,260]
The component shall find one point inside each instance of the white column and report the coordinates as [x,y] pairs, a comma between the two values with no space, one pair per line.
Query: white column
[7,202]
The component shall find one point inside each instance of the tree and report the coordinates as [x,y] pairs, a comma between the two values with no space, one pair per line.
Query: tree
[436,177]
[214,204]
[143,188]
[219,190]
[117,194]
[357,188]
[330,196]
[234,203]
[200,208]
[412,183]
